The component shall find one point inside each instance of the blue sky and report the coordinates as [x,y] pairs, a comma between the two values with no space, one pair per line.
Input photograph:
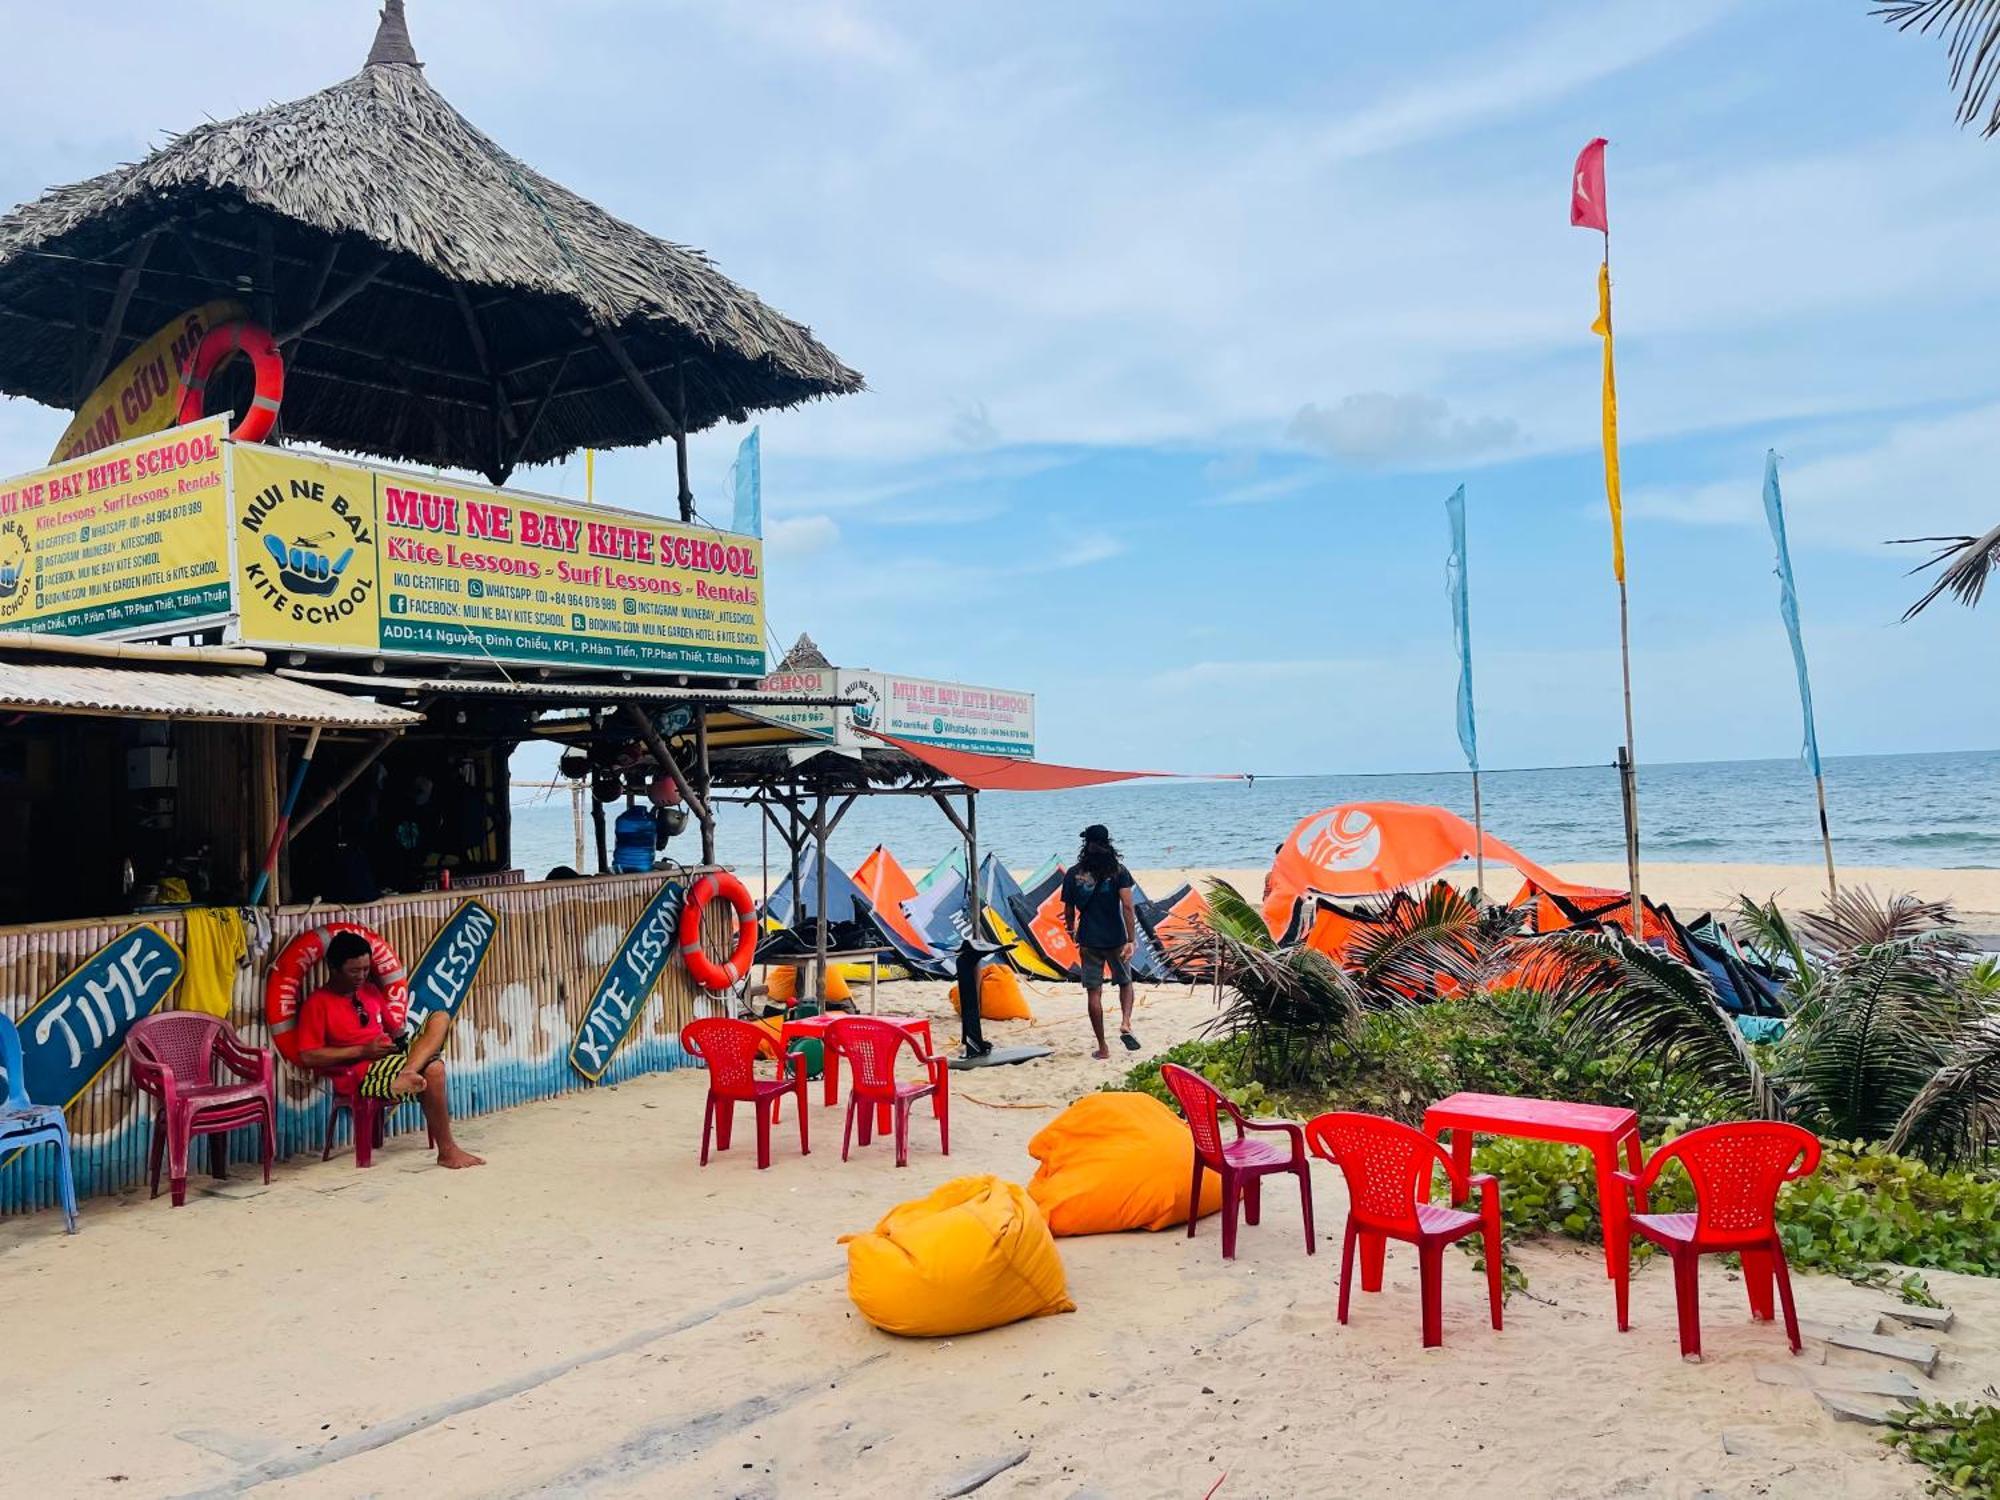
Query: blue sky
[1180,322]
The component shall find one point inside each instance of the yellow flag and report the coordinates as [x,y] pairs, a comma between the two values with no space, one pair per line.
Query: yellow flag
[1602,327]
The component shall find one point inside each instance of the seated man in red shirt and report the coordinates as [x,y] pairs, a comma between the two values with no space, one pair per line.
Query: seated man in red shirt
[344,1024]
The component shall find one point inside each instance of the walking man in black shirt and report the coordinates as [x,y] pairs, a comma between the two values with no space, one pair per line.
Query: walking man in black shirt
[1097,910]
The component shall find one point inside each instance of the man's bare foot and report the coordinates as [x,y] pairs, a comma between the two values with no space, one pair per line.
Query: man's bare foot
[455,1157]
[1102,1054]
[409,1081]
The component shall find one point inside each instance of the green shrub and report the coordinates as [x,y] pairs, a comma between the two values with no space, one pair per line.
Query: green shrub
[1959,1443]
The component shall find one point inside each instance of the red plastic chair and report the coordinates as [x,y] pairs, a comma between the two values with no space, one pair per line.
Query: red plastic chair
[1388,1167]
[1737,1169]
[175,1058]
[1242,1164]
[730,1049]
[871,1046]
[370,1116]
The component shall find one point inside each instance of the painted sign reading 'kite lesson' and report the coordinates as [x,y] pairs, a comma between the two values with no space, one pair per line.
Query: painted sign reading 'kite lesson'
[443,976]
[627,984]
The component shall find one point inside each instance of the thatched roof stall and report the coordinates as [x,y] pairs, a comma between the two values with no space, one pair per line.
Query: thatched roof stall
[438,301]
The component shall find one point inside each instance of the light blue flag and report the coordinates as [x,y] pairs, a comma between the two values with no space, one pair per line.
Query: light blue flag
[1788,602]
[746,480]
[1458,591]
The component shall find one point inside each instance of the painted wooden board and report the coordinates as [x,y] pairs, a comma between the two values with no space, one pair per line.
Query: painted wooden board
[1846,1408]
[1939,1318]
[1893,1383]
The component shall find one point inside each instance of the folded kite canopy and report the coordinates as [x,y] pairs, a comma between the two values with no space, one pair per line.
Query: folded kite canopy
[1002,773]
[443,302]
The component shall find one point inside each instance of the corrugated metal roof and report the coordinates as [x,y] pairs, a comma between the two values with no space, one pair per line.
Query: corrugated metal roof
[557,694]
[214,694]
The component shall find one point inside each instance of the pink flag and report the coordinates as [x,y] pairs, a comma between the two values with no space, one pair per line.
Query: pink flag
[1587,208]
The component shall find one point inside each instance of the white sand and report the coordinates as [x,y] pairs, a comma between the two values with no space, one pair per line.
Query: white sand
[594,1314]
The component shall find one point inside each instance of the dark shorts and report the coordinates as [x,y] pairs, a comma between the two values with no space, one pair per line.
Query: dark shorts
[1096,960]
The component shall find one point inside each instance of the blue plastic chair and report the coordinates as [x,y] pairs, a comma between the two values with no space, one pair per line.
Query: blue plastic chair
[26,1124]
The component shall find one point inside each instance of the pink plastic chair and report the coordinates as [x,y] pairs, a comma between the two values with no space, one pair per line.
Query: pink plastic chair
[1388,1167]
[175,1058]
[1242,1164]
[730,1049]
[1737,1169]
[871,1046]
[370,1116]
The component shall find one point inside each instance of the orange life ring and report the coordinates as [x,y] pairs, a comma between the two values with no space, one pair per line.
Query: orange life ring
[294,972]
[216,348]
[711,976]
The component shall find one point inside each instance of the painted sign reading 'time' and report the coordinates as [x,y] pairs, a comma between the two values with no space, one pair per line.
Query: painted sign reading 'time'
[76,1029]
[443,976]
[627,984]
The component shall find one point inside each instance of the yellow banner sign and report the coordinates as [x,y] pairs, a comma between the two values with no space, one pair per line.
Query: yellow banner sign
[480,573]
[143,395]
[130,538]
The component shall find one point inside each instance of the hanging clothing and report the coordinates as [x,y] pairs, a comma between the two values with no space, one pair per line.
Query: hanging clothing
[216,946]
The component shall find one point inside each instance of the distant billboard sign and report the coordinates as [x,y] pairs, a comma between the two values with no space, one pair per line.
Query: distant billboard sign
[955,715]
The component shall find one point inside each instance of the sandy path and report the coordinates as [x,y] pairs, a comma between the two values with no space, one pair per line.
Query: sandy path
[594,1314]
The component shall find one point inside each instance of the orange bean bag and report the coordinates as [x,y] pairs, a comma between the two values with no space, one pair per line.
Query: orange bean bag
[1000,997]
[974,1254]
[783,981]
[1117,1161]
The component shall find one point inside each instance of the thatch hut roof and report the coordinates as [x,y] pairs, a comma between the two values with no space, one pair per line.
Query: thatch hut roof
[440,301]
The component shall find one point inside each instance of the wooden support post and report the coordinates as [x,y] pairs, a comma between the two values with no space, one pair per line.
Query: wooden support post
[372,753]
[114,322]
[663,753]
[681,442]
[535,416]
[819,938]
[707,784]
[332,305]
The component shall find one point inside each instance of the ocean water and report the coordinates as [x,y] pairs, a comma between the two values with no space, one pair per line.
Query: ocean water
[1936,811]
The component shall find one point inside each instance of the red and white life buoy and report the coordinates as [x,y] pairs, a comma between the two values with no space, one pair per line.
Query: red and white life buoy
[216,348]
[295,973]
[711,976]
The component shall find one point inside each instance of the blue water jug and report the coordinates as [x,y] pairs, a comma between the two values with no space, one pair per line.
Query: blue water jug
[634,852]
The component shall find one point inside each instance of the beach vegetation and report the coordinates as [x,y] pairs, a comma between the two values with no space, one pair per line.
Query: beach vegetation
[1958,1441]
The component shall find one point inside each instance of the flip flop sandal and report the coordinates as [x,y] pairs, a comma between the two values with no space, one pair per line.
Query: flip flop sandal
[1131,1042]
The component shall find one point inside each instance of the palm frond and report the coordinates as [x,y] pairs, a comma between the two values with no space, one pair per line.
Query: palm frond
[1881,1022]
[1764,930]
[1972,33]
[1413,943]
[1636,999]
[1231,913]
[1956,1115]
[1964,564]
[1855,918]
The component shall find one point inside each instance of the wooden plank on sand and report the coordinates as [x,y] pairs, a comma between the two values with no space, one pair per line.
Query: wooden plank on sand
[1939,1318]
[1847,1408]
[1832,1378]
[1909,1351]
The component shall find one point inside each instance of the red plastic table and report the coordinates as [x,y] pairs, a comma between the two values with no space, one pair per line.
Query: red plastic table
[817,1027]
[1601,1129]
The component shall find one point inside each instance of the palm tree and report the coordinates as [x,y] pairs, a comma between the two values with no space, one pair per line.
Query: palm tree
[1972,32]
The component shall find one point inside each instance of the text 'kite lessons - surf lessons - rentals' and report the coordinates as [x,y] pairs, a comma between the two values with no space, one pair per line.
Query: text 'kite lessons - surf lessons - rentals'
[254,695]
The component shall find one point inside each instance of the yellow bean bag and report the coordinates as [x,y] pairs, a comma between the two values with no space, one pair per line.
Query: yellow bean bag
[1000,997]
[783,981]
[1117,1161]
[974,1254]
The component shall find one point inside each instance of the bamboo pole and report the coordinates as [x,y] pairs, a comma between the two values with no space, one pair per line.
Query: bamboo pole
[1826,835]
[1478,833]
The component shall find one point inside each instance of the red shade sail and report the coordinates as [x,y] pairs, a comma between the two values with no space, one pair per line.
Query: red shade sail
[1001,773]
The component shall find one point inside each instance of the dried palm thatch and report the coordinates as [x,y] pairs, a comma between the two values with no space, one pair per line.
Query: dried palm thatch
[439,301]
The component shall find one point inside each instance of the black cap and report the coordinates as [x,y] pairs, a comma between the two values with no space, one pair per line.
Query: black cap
[1096,833]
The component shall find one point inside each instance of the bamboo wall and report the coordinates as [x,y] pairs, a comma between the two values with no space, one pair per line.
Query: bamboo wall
[510,1043]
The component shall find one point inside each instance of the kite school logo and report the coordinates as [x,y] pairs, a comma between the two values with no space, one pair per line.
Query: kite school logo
[1344,838]
[16,553]
[309,552]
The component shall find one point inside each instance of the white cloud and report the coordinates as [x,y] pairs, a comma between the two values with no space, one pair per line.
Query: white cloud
[1921,477]
[1374,427]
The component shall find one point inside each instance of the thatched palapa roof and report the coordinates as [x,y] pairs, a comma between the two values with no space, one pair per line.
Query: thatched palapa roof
[439,301]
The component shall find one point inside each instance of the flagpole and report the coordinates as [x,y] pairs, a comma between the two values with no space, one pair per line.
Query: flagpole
[1825,835]
[1624,646]
[1479,833]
